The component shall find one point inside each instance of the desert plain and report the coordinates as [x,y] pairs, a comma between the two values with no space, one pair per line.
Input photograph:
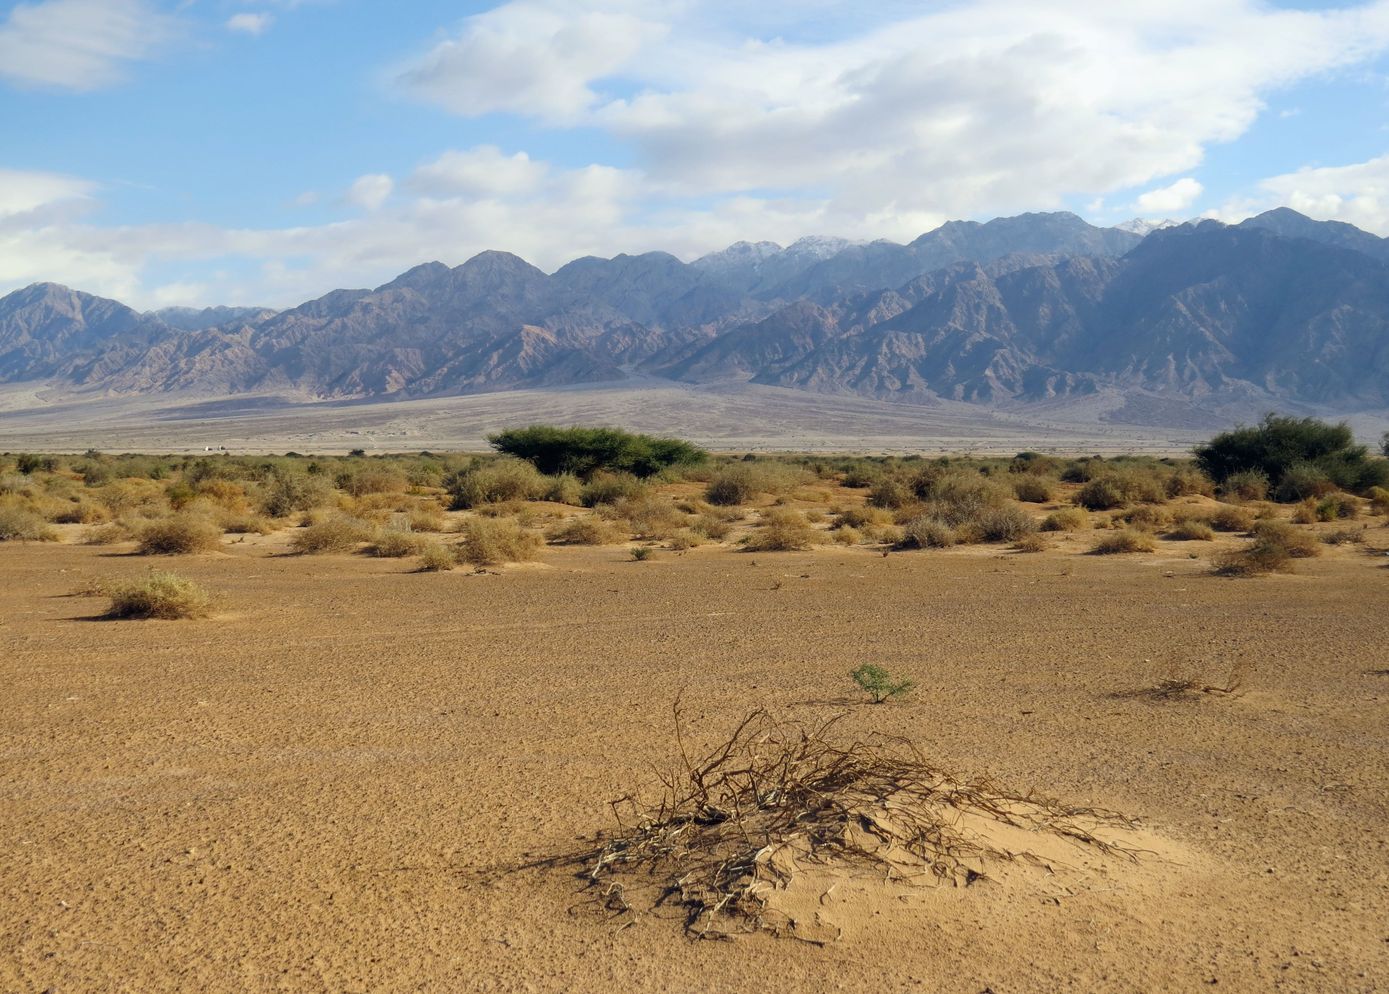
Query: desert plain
[358,777]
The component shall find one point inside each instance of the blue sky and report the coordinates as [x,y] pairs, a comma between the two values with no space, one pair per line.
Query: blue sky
[214,151]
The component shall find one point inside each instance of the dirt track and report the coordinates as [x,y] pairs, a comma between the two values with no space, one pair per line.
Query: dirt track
[330,786]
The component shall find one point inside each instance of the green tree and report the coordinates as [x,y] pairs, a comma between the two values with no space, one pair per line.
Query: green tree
[1299,456]
[585,451]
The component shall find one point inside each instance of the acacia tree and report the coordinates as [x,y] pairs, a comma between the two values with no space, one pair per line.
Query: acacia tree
[1299,456]
[585,451]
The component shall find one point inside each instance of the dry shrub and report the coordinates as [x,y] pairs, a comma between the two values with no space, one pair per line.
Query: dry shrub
[1344,536]
[1192,681]
[397,543]
[488,541]
[650,516]
[1249,484]
[712,527]
[1032,489]
[928,532]
[159,595]
[731,827]
[1305,513]
[1254,560]
[125,496]
[1144,517]
[331,533]
[19,525]
[81,512]
[846,536]
[111,533]
[683,540]
[861,517]
[891,493]
[586,529]
[1031,543]
[1379,500]
[1122,541]
[247,524]
[1231,519]
[783,531]
[610,488]
[381,480]
[496,482]
[1102,494]
[566,488]
[1001,524]
[1337,507]
[1188,481]
[1298,544]
[740,483]
[1191,530]
[435,557]
[426,516]
[179,535]
[1067,519]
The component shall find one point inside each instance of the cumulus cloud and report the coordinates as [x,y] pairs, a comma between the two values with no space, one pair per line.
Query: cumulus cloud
[479,172]
[1357,194]
[77,44]
[250,23]
[1171,199]
[371,191]
[529,57]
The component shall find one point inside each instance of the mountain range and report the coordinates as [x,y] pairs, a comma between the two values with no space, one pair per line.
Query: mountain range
[1279,308]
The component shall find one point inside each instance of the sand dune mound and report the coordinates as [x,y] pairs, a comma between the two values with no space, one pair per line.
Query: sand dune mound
[789,827]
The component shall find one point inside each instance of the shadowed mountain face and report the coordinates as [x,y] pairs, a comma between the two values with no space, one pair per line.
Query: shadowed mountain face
[1027,308]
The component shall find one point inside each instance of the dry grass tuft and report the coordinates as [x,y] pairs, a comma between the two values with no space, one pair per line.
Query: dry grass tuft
[488,541]
[1031,543]
[336,533]
[159,595]
[19,525]
[179,535]
[729,827]
[397,543]
[586,529]
[1123,541]
[1067,519]
[436,557]
[783,531]
[1191,530]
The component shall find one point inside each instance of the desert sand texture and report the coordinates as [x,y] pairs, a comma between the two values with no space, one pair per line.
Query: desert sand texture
[354,777]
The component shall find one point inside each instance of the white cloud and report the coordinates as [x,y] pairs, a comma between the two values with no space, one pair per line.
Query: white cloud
[371,191]
[77,44]
[530,57]
[1171,199]
[479,172]
[249,23]
[1357,194]
[22,192]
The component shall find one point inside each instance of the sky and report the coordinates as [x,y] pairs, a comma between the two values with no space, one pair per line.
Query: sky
[198,152]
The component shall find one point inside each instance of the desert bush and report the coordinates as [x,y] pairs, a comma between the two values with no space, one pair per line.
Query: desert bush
[1306,512]
[1123,541]
[1298,544]
[782,531]
[427,516]
[683,540]
[928,532]
[435,557]
[495,482]
[890,492]
[1145,517]
[29,464]
[397,543]
[1344,536]
[566,488]
[1067,519]
[1191,530]
[1032,543]
[1188,481]
[711,527]
[285,493]
[610,488]
[178,535]
[1245,485]
[585,529]
[487,541]
[741,482]
[861,516]
[81,512]
[585,451]
[1302,457]
[861,476]
[246,524]
[360,481]
[1336,507]
[332,533]
[1001,524]
[1103,493]
[1255,559]
[1379,500]
[19,525]
[846,536]
[159,595]
[1231,519]
[1032,489]
[111,533]
[650,517]
[15,483]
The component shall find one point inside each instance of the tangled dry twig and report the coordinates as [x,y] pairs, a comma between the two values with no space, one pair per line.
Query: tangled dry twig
[729,827]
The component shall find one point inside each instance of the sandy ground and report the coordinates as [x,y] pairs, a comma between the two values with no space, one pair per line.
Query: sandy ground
[729,417]
[334,784]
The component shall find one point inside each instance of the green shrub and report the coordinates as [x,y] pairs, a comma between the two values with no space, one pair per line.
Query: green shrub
[1103,493]
[585,451]
[641,553]
[180,534]
[1301,456]
[1335,507]
[878,684]
[159,595]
